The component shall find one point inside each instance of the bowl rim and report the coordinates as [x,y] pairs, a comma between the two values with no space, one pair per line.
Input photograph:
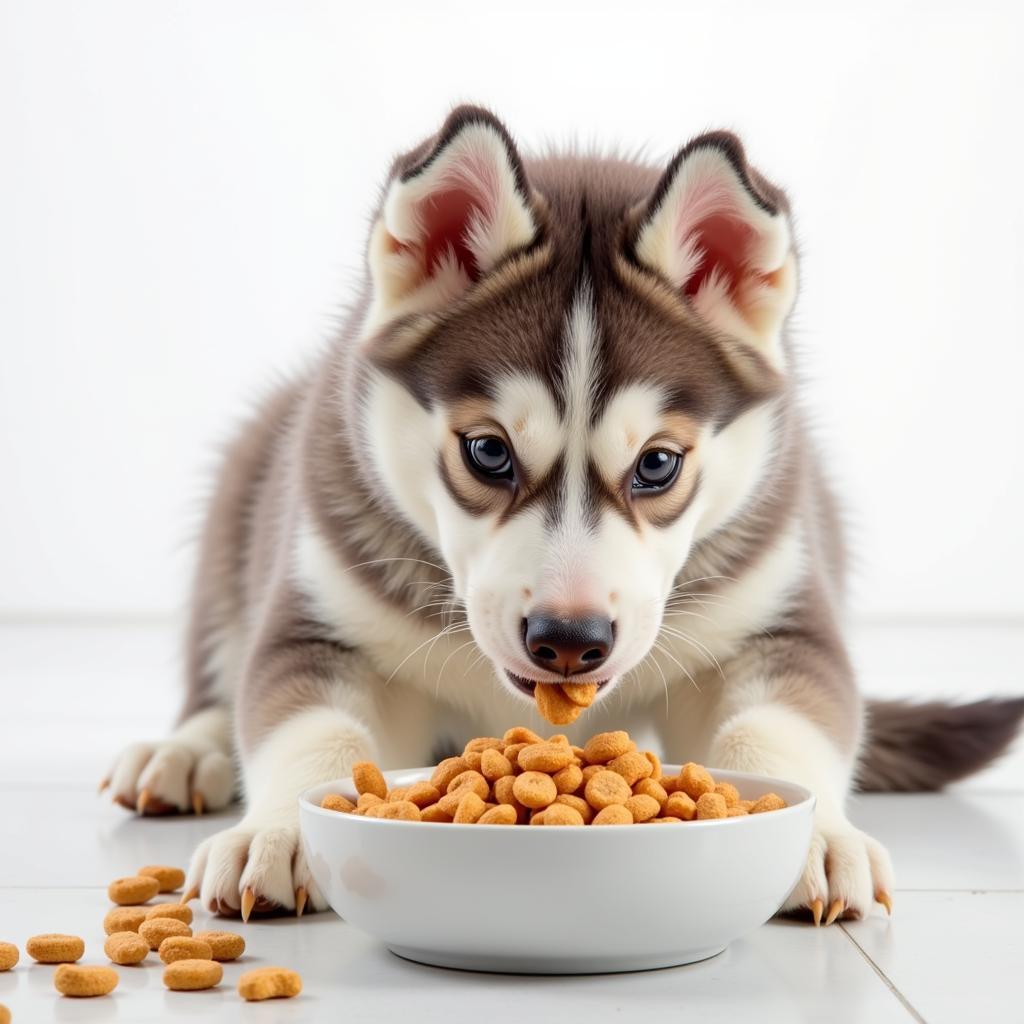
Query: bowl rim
[806,802]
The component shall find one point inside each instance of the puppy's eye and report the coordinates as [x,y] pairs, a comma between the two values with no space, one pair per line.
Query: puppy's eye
[489,457]
[656,471]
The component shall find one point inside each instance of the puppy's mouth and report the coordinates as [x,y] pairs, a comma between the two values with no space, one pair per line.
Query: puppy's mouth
[529,686]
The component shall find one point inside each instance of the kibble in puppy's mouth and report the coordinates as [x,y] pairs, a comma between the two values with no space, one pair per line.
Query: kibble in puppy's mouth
[529,686]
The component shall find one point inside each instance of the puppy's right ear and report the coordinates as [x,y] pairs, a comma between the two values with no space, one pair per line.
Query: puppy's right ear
[454,208]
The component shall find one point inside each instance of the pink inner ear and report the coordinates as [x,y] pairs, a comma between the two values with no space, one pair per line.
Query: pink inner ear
[444,218]
[724,242]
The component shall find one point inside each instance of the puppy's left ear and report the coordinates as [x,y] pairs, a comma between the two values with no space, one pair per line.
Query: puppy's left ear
[720,235]
[454,208]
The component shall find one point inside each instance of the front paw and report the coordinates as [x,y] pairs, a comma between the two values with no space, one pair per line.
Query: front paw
[256,867]
[171,777]
[847,873]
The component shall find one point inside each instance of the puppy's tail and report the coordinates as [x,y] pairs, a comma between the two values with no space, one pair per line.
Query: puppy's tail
[913,747]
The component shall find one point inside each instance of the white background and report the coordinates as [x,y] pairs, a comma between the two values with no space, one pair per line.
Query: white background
[183,199]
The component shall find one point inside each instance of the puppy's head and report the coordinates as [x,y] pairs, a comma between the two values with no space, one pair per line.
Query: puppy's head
[565,361]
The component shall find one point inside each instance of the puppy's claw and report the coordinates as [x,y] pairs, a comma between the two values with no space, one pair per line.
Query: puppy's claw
[248,902]
[197,803]
[885,899]
[838,906]
[300,900]
[189,894]
[816,908]
[142,802]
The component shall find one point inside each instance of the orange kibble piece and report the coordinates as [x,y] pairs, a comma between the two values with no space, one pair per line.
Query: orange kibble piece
[367,778]
[642,808]
[471,780]
[470,810]
[562,814]
[436,814]
[613,814]
[495,765]
[503,814]
[632,766]
[577,803]
[422,794]
[736,811]
[337,802]
[768,802]
[582,694]
[607,788]
[695,780]
[545,757]
[568,779]
[729,792]
[680,805]
[553,704]
[446,771]
[366,801]
[650,787]
[400,810]
[520,734]
[711,805]
[482,743]
[655,764]
[606,746]
[534,790]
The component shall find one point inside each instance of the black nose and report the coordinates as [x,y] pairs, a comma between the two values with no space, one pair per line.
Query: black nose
[568,646]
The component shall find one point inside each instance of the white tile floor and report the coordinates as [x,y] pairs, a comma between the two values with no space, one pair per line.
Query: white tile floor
[70,695]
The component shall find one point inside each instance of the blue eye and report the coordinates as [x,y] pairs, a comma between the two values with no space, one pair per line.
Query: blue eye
[656,470]
[489,457]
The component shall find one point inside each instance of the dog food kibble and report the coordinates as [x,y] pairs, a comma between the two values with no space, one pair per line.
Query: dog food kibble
[582,694]
[5,1015]
[269,983]
[336,802]
[695,780]
[711,805]
[524,779]
[55,949]
[179,911]
[225,945]
[84,982]
[130,892]
[126,948]
[156,929]
[181,947]
[553,704]
[9,955]
[368,779]
[192,975]
[769,802]
[170,879]
[124,919]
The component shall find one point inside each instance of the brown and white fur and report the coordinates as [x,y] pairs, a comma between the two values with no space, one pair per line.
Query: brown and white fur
[362,591]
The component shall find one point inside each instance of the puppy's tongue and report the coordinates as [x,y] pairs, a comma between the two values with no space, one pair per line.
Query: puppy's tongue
[563,703]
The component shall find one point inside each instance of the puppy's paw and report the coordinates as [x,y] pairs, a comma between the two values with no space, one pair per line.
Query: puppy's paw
[171,778]
[847,873]
[256,867]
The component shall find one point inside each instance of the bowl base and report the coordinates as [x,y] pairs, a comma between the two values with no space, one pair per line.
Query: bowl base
[553,965]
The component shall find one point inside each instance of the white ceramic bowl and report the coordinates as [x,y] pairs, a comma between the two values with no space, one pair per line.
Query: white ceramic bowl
[566,900]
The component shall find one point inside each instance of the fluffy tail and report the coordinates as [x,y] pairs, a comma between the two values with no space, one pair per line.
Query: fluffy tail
[926,746]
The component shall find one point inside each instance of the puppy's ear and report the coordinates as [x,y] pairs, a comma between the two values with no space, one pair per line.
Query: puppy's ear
[720,235]
[454,208]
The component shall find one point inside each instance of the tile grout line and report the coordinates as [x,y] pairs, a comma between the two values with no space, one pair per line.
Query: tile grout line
[886,980]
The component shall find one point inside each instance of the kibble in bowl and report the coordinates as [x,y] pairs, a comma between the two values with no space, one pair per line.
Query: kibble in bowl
[610,898]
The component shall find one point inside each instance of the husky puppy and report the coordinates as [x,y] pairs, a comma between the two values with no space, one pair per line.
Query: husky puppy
[558,436]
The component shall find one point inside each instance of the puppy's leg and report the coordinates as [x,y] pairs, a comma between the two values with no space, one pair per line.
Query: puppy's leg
[804,725]
[308,712]
[191,770]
